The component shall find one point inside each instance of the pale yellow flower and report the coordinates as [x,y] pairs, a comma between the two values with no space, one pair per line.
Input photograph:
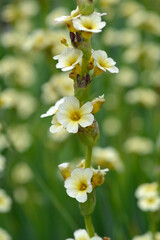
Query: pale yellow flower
[82,234]
[22,173]
[79,184]
[138,145]
[103,62]
[5,202]
[4,235]
[68,59]
[147,190]
[150,203]
[65,19]
[70,114]
[146,236]
[89,23]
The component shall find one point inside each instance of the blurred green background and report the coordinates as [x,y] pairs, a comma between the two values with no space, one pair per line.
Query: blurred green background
[128,121]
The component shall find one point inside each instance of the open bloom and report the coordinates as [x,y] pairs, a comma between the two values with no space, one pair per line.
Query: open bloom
[56,126]
[149,203]
[103,62]
[5,202]
[146,236]
[147,190]
[4,235]
[70,115]
[90,23]
[68,59]
[82,234]
[79,184]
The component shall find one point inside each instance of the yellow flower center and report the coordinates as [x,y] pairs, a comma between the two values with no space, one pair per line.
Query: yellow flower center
[71,61]
[1,200]
[151,200]
[83,186]
[75,116]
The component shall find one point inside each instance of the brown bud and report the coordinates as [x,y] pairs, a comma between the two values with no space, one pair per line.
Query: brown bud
[106,238]
[64,41]
[72,36]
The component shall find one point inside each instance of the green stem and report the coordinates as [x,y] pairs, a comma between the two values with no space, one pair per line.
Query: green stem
[89,225]
[88,157]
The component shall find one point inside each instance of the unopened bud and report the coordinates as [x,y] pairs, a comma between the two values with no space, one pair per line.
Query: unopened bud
[97,103]
[98,177]
[72,36]
[89,135]
[86,7]
[64,41]
[65,170]
[91,63]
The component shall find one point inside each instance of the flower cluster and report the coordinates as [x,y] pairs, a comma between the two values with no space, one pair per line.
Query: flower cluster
[148,197]
[74,114]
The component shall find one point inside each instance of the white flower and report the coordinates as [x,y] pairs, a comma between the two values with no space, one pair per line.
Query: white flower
[5,201]
[4,235]
[79,184]
[146,236]
[103,62]
[147,190]
[82,234]
[91,23]
[52,110]
[71,115]
[56,126]
[68,59]
[149,203]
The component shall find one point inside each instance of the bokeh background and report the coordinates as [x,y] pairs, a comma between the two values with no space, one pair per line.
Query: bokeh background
[38,207]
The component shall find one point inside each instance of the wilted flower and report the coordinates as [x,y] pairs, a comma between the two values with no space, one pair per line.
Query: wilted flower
[68,59]
[5,202]
[79,184]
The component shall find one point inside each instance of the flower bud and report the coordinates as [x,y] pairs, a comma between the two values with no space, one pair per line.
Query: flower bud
[91,63]
[65,170]
[98,177]
[86,7]
[88,207]
[64,41]
[97,103]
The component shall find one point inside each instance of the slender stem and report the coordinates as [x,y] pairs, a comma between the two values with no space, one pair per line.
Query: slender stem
[89,225]
[88,157]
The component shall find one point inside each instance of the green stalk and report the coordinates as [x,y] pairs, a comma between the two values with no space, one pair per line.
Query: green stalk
[88,157]
[89,225]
